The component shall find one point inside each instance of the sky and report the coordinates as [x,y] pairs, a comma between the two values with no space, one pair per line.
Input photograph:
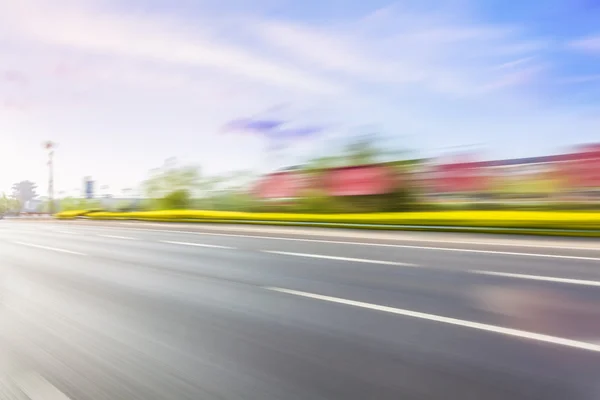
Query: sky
[123,85]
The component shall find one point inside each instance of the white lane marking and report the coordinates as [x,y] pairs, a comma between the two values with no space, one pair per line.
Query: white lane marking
[362,260]
[117,237]
[37,387]
[509,253]
[539,278]
[196,244]
[446,320]
[517,244]
[65,232]
[49,248]
[450,249]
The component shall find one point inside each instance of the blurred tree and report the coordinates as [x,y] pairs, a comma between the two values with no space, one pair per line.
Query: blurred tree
[316,201]
[4,203]
[362,151]
[172,178]
[229,191]
[24,191]
[239,180]
[72,203]
[323,163]
[177,200]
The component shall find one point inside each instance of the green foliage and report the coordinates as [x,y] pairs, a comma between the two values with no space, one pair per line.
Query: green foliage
[176,200]
[171,178]
[8,204]
[4,203]
[71,203]
[316,201]
[126,206]
[362,151]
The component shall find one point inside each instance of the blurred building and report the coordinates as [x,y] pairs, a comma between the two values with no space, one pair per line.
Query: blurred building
[362,180]
[572,176]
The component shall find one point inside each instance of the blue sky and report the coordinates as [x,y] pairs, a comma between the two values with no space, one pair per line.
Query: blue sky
[123,85]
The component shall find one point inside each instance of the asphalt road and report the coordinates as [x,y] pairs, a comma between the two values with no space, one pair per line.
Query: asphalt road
[150,311]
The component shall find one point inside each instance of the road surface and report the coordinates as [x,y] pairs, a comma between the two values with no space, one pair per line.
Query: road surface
[150,311]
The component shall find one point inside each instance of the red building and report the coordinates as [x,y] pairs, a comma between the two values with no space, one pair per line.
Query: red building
[577,171]
[342,181]
[359,180]
[581,169]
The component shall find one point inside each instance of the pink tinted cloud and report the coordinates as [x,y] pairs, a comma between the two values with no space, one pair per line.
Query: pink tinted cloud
[16,77]
[66,71]
[16,105]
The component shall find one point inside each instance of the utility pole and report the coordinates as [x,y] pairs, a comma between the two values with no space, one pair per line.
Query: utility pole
[50,146]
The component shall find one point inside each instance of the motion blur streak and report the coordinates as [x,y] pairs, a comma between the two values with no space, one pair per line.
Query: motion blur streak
[144,319]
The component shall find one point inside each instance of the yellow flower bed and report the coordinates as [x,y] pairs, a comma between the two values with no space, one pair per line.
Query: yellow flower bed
[586,220]
[71,214]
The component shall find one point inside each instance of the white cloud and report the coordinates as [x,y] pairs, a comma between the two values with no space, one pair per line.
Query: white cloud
[589,44]
[430,49]
[167,83]
[151,38]
[439,53]
[515,63]
[516,78]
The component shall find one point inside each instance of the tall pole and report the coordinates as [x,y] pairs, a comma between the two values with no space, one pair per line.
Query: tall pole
[50,146]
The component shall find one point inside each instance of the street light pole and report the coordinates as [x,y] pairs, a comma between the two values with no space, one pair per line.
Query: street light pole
[50,146]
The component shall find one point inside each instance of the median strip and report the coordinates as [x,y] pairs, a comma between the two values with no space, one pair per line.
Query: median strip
[446,320]
[360,260]
[557,223]
[50,248]
[539,278]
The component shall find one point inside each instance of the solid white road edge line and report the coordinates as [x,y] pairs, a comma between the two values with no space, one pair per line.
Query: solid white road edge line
[50,248]
[361,260]
[196,244]
[509,253]
[452,321]
[117,237]
[539,278]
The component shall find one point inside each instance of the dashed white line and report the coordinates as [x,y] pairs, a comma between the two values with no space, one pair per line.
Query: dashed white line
[361,260]
[509,253]
[50,248]
[517,243]
[452,321]
[539,278]
[65,232]
[117,237]
[196,244]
